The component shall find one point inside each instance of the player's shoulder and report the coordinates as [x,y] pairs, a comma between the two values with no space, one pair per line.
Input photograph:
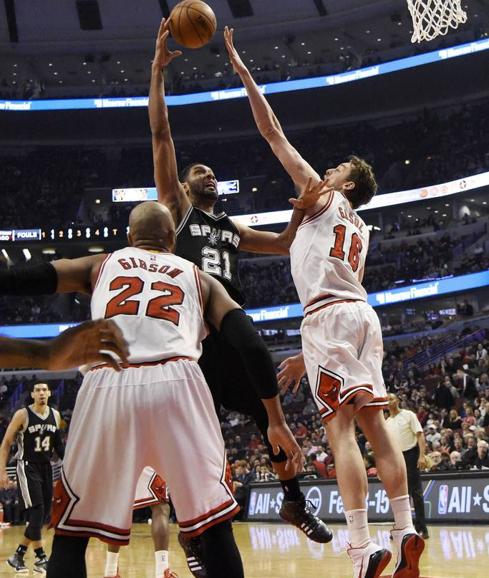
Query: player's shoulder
[20,416]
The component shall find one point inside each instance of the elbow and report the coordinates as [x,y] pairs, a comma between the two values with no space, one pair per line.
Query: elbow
[284,241]
[268,131]
[283,246]
[160,131]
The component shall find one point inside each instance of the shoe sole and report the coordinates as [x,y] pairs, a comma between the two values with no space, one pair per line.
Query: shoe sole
[17,572]
[378,561]
[412,549]
[297,525]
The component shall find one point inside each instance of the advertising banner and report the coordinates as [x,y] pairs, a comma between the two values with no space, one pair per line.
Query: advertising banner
[447,497]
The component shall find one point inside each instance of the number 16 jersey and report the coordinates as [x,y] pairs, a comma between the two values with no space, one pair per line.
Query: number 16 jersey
[328,255]
[155,298]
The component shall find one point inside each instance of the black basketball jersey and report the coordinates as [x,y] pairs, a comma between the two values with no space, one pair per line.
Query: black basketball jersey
[35,442]
[211,242]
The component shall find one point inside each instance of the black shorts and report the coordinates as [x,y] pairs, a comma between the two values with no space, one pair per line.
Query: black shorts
[35,484]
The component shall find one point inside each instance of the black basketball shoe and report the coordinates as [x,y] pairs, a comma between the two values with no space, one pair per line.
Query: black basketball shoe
[41,565]
[17,563]
[193,553]
[299,514]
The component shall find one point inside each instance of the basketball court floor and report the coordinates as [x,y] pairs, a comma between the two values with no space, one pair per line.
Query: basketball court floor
[278,551]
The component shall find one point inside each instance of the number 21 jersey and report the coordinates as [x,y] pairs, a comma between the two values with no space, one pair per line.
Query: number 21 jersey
[328,255]
[156,300]
[211,242]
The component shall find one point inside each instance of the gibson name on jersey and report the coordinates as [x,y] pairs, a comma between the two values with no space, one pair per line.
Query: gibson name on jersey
[154,267]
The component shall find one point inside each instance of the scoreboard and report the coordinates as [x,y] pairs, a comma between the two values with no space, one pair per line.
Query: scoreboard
[64,234]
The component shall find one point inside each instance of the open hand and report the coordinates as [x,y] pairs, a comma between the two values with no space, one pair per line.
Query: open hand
[235,59]
[89,342]
[422,463]
[280,436]
[292,370]
[310,195]
[163,56]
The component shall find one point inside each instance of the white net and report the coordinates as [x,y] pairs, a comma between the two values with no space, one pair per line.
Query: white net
[432,18]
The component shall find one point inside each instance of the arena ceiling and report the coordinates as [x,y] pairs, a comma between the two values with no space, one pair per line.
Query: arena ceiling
[63,43]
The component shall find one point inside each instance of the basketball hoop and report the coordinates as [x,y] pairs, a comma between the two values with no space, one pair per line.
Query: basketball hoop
[432,18]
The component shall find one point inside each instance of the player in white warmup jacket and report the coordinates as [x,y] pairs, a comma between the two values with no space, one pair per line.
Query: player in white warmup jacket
[342,339]
[157,411]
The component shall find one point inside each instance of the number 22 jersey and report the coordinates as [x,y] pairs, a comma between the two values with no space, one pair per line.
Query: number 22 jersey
[328,255]
[156,300]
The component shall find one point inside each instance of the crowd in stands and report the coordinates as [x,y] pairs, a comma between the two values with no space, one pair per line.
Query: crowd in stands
[45,186]
[269,281]
[450,397]
[271,66]
[444,380]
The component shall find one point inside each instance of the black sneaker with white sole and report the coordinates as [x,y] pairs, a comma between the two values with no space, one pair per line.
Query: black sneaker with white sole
[299,513]
[41,565]
[17,563]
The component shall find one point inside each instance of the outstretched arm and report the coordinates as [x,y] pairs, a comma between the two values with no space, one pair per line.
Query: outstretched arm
[266,121]
[86,343]
[62,276]
[268,242]
[170,190]
[279,243]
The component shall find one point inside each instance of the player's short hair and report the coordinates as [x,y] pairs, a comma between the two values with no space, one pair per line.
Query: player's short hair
[363,176]
[184,173]
[33,386]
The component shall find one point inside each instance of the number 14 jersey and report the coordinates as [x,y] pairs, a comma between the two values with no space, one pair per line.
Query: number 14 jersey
[328,255]
[156,300]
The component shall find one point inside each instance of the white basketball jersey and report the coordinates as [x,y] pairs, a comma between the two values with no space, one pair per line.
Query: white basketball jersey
[328,255]
[155,299]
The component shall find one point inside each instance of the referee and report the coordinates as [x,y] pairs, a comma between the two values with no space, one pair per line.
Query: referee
[406,429]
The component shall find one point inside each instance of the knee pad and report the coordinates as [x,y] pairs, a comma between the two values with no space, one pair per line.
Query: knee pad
[35,519]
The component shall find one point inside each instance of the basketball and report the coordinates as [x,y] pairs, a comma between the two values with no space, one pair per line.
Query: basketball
[192,23]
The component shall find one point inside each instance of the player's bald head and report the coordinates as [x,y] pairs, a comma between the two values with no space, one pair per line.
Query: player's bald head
[151,225]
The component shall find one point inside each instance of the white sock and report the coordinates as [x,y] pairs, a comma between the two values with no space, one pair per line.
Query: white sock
[357,523]
[401,508]
[161,562]
[111,563]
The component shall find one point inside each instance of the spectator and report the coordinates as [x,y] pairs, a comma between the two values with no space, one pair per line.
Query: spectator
[453,421]
[443,397]
[482,460]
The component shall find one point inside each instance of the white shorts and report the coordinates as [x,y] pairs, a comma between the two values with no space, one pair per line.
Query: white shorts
[157,415]
[343,354]
[151,490]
